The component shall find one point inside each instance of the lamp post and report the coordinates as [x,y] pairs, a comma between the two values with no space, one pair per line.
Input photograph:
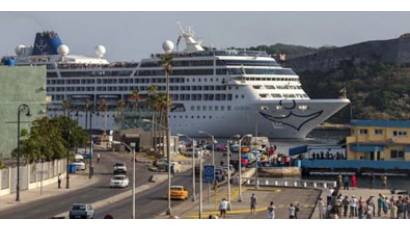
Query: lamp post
[91,169]
[23,108]
[213,144]
[229,173]
[193,165]
[200,185]
[132,149]
[168,46]
[240,164]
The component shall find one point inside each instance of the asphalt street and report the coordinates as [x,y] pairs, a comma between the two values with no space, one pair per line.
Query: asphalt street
[49,207]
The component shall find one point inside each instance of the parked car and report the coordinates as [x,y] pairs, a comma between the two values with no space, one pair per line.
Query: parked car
[119,172]
[80,165]
[119,181]
[179,192]
[81,211]
[220,148]
[121,166]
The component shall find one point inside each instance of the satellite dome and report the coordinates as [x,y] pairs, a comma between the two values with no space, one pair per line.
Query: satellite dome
[100,51]
[19,49]
[63,50]
[168,46]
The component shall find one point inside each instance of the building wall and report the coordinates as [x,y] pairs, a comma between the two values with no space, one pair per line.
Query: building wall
[19,85]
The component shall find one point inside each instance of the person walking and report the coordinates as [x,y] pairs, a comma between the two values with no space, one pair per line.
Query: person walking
[380,204]
[253,203]
[297,209]
[329,194]
[291,210]
[393,209]
[223,207]
[353,207]
[271,210]
[346,183]
[354,181]
[59,181]
[360,210]
[345,203]
[322,209]
[384,181]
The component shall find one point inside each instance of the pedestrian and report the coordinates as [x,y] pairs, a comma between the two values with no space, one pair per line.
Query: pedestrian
[402,209]
[346,183]
[292,211]
[98,157]
[59,181]
[271,210]
[339,181]
[384,180]
[354,181]
[345,204]
[408,206]
[297,209]
[380,204]
[393,210]
[322,209]
[223,206]
[329,194]
[360,210]
[353,207]
[253,203]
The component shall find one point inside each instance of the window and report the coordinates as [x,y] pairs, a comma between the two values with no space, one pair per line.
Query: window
[396,153]
[378,131]
[263,95]
[363,131]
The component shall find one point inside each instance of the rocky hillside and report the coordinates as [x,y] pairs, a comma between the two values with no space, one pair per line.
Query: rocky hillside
[393,51]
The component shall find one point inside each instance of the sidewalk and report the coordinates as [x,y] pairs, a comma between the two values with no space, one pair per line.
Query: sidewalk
[282,197]
[77,181]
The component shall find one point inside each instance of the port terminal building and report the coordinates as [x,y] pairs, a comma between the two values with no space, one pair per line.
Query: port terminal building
[379,140]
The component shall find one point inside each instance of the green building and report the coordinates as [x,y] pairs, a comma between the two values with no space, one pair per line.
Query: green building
[19,85]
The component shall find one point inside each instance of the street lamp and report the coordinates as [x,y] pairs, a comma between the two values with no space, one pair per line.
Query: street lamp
[193,165]
[23,108]
[132,149]
[213,144]
[168,46]
[240,163]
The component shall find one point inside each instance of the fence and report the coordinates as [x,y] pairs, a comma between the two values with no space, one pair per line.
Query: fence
[31,175]
[295,183]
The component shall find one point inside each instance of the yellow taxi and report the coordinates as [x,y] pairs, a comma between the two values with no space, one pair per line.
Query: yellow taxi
[179,192]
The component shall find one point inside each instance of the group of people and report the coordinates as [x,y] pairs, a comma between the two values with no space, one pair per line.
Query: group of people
[224,206]
[339,206]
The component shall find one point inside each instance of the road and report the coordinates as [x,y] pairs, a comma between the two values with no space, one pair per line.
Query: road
[49,207]
[154,201]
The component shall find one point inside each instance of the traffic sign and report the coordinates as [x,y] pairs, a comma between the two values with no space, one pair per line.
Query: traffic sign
[209,173]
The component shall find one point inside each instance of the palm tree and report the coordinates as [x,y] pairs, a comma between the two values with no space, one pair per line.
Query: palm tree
[103,106]
[133,99]
[152,96]
[66,106]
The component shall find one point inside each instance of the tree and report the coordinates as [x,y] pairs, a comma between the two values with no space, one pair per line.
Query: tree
[103,107]
[51,139]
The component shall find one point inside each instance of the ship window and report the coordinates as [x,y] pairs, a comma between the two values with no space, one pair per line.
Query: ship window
[222,108]
[302,107]
[242,96]
[264,108]
[276,95]
[210,108]
[228,108]
[236,96]
[263,95]
[216,108]
[198,108]
[204,117]
[204,108]
[193,108]
[269,86]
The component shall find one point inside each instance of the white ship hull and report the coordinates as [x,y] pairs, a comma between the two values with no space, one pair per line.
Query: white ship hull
[288,122]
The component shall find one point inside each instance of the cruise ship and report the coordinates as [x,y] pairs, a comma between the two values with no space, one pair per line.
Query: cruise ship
[222,92]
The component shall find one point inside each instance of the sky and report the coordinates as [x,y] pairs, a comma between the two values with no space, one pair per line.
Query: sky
[130,36]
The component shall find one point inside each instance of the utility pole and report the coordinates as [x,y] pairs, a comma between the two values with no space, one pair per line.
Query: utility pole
[133,179]
[91,169]
[200,186]
[229,173]
[193,171]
